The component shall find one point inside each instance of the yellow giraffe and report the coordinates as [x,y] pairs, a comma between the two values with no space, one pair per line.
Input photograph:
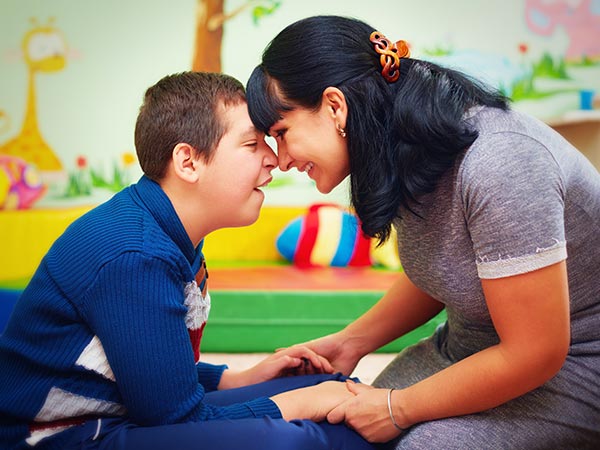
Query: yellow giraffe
[44,50]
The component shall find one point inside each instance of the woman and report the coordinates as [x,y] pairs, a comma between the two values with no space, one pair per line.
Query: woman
[487,203]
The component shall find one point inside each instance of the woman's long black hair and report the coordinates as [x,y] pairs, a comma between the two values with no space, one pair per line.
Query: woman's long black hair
[401,136]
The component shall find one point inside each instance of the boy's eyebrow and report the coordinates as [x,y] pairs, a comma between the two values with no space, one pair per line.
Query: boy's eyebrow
[250,133]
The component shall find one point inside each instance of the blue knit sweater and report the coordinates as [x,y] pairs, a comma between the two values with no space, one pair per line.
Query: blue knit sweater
[104,328]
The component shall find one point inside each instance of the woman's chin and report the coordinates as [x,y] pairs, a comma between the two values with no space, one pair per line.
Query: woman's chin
[324,186]
[324,190]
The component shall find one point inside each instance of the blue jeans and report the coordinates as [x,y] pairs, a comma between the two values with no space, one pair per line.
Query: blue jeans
[247,434]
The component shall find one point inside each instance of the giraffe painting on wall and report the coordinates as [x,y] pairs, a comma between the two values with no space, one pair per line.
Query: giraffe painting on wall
[44,50]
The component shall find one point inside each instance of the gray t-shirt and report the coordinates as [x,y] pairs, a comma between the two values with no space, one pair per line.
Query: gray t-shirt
[519,199]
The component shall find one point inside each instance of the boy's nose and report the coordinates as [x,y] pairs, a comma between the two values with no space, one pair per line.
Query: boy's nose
[271,159]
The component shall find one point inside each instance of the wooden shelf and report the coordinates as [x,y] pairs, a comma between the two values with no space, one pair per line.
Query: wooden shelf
[582,129]
[575,117]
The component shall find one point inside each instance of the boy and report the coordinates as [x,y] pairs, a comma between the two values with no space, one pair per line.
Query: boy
[97,352]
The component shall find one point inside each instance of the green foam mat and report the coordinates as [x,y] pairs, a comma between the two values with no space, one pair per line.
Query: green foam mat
[244,322]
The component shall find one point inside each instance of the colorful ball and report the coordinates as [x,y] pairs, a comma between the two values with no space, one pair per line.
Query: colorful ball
[326,236]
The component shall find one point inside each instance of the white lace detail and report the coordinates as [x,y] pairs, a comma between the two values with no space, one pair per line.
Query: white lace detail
[61,404]
[197,305]
[93,358]
[510,266]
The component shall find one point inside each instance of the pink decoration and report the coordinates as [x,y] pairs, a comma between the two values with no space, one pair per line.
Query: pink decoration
[580,20]
[20,183]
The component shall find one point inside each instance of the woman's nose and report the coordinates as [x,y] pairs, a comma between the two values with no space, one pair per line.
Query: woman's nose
[285,161]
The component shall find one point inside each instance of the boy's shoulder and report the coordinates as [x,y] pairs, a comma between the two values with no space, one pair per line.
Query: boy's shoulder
[139,223]
[117,228]
[110,224]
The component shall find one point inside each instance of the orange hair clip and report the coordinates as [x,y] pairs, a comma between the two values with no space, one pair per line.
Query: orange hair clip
[390,55]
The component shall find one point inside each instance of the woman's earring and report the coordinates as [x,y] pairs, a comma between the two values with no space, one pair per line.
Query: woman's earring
[341,131]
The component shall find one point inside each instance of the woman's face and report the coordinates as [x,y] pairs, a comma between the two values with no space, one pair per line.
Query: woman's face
[309,141]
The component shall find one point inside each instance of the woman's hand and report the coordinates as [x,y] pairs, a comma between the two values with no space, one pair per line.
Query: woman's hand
[297,360]
[367,413]
[403,308]
[335,349]
[313,402]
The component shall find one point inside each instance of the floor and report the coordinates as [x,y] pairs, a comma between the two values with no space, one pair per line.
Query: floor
[366,371]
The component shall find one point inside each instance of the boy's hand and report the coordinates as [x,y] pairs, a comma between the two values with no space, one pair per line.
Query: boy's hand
[297,360]
[313,402]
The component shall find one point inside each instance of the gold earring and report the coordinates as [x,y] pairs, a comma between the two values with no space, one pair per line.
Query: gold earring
[341,131]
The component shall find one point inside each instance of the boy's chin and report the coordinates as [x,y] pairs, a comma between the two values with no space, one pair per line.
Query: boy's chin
[248,212]
[248,218]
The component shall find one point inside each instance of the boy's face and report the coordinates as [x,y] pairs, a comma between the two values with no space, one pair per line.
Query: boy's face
[240,165]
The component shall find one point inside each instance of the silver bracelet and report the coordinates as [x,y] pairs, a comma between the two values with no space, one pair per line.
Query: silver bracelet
[390,410]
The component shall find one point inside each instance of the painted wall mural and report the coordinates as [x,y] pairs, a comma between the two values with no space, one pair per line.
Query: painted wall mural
[28,164]
[44,51]
[536,82]
[26,156]
[579,19]
[55,156]
[210,22]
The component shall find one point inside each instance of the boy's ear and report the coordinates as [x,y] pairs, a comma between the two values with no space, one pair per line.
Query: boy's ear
[186,164]
[335,102]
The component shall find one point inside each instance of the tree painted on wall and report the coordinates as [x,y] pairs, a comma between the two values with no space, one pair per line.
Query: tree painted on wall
[210,18]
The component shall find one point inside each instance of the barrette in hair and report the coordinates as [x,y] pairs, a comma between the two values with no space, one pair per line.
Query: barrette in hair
[390,55]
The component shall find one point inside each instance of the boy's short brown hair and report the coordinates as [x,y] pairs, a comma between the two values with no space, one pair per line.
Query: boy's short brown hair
[183,108]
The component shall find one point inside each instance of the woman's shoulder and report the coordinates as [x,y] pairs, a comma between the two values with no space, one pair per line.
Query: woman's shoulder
[508,124]
[506,136]
[510,148]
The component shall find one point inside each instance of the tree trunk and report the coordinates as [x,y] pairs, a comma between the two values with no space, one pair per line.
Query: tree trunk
[209,34]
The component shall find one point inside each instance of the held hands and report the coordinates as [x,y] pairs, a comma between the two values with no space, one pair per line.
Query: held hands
[367,413]
[362,407]
[313,402]
[297,360]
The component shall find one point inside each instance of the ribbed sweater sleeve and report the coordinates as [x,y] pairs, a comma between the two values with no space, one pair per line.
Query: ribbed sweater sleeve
[209,375]
[136,309]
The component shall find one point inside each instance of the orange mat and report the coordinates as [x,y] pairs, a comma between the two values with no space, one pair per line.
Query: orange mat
[283,278]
